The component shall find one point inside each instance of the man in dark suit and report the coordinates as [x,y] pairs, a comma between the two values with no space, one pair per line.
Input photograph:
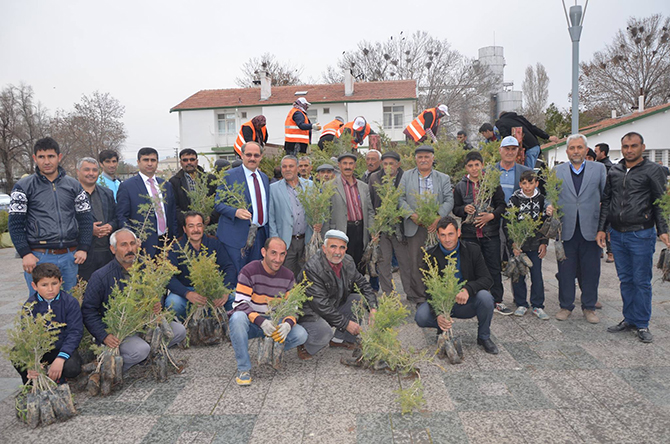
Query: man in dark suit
[234,222]
[146,188]
[103,208]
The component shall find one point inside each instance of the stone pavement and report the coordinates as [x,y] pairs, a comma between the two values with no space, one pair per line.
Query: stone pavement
[552,382]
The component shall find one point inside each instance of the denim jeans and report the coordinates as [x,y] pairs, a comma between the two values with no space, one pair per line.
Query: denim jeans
[531,156]
[481,306]
[633,257]
[180,305]
[242,329]
[65,263]
[536,287]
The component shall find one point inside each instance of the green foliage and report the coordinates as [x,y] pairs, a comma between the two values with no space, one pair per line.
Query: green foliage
[289,304]
[557,123]
[411,398]
[202,200]
[204,273]
[233,195]
[389,213]
[520,226]
[269,163]
[4,221]
[441,285]
[77,292]
[490,152]
[488,184]
[144,228]
[552,187]
[664,204]
[315,201]
[427,208]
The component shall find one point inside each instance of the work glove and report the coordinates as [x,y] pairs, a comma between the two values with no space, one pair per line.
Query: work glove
[316,127]
[432,136]
[268,327]
[282,331]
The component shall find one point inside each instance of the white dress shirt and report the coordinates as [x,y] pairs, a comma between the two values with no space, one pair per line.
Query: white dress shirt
[160,199]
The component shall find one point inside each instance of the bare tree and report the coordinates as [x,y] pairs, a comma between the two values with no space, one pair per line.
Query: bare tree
[282,74]
[536,94]
[22,123]
[637,61]
[443,75]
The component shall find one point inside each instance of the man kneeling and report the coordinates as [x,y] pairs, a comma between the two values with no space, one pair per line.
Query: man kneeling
[474,299]
[258,283]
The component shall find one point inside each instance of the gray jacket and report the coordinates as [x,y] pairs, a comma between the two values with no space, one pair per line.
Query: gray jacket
[338,208]
[586,204]
[281,212]
[410,185]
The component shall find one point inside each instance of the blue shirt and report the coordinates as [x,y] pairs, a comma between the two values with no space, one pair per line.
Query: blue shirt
[457,256]
[112,184]
[507,181]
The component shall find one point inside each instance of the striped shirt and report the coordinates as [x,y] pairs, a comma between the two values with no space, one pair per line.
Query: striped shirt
[354,207]
[255,287]
[426,183]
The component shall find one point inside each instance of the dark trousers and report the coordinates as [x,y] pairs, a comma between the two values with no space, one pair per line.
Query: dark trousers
[491,250]
[537,284]
[254,253]
[295,256]
[355,246]
[293,148]
[481,306]
[71,368]
[95,260]
[319,332]
[584,256]
[324,139]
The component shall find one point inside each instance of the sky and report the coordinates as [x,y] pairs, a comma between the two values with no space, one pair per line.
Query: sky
[151,55]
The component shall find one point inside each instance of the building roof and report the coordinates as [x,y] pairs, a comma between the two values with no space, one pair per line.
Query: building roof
[608,124]
[286,95]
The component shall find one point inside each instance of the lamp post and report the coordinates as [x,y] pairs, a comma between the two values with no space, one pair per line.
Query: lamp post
[575,20]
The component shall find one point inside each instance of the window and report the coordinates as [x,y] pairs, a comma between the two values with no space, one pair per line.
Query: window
[326,110]
[227,124]
[645,154]
[312,115]
[394,117]
[658,156]
[244,114]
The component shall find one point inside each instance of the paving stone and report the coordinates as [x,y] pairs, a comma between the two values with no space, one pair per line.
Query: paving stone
[492,427]
[355,393]
[243,400]
[652,383]
[544,426]
[335,428]
[278,428]
[597,426]
[199,397]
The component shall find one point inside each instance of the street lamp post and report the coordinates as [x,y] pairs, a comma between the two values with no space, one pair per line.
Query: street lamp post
[575,20]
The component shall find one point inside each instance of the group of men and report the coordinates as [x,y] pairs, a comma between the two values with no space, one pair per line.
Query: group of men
[88,227]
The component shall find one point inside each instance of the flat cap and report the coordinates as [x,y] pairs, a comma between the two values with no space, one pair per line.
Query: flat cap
[325,167]
[336,234]
[424,149]
[391,155]
[345,155]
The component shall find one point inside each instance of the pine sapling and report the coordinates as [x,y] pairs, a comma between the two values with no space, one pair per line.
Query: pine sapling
[664,260]
[552,227]
[234,195]
[315,200]
[427,210]
[488,183]
[201,198]
[520,228]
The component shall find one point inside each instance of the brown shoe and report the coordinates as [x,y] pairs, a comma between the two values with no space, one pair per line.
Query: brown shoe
[598,305]
[563,314]
[591,316]
[303,353]
[343,344]
[610,258]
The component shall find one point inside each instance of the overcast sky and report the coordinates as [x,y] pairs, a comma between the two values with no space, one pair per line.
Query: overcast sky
[151,55]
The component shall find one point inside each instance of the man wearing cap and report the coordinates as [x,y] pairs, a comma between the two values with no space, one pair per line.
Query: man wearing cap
[510,171]
[325,172]
[419,180]
[426,125]
[351,209]
[373,161]
[298,129]
[334,279]
[359,130]
[330,131]
[509,120]
[395,243]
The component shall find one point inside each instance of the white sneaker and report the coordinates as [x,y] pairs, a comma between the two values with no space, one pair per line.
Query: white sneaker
[540,314]
[520,311]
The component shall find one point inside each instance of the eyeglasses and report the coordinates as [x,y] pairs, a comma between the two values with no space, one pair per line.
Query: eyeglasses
[255,156]
[189,159]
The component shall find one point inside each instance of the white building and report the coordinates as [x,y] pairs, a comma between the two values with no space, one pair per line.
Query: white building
[210,120]
[651,124]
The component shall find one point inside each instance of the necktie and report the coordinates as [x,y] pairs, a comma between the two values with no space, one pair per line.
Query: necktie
[160,217]
[259,200]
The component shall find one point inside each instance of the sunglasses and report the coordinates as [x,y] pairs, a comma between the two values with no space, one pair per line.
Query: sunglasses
[255,156]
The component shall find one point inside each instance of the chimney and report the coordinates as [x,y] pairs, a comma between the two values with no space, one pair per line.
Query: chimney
[640,103]
[266,85]
[348,83]
[614,114]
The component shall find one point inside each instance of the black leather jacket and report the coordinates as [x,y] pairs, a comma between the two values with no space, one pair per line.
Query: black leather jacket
[464,196]
[327,295]
[628,200]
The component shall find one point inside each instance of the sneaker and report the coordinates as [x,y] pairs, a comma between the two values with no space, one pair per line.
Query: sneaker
[243,378]
[645,335]
[540,314]
[520,311]
[591,316]
[502,309]
[563,314]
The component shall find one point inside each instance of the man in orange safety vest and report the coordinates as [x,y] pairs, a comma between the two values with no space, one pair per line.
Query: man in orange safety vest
[426,124]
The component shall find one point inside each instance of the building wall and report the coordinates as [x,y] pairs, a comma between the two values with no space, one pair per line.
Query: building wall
[651,128]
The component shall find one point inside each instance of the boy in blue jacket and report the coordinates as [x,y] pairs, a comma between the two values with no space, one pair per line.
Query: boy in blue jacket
[63,359]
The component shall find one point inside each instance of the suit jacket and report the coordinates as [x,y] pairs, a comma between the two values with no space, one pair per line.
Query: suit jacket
[410,185]
[179,186]
[133,193]
[109,216]
[281,213]
[338,208]
[586,204]
[232,231]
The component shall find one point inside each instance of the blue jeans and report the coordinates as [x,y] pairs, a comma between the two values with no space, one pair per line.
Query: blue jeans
[481,306]
[633,257]
[65,263]
[180,305]
[536,287]
[242,329]
[531,156]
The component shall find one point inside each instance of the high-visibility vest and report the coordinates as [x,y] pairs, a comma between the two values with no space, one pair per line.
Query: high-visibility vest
[291,131]
[416,127]
[350,126]
[240,137]
[331,128]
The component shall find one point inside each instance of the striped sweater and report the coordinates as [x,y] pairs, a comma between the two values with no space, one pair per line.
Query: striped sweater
[255,287]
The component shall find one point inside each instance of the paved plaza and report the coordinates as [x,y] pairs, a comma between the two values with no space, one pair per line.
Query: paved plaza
[553,382]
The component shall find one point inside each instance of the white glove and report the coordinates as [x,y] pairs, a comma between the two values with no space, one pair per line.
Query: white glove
[268,327]
[432,136]
[316,127]
[282,331]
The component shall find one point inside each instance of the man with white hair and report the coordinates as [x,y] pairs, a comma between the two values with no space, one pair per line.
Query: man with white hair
[359,129]
[334,279]
[583,187]
[103,207]
[373,161]
[298,128]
